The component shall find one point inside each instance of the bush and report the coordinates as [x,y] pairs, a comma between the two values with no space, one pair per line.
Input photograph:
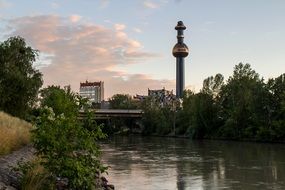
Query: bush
[68,150]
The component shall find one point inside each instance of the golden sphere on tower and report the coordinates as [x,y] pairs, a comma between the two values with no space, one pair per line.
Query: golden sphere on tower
[180,50]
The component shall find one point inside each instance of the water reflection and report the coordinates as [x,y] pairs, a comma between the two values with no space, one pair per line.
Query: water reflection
[166,163]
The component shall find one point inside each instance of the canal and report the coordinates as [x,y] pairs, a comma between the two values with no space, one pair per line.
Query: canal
[155,163]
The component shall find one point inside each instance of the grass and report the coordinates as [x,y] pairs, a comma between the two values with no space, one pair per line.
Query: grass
[14,133]
[36,177]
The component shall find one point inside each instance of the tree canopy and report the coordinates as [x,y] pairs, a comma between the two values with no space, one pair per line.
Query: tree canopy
[19,81]
[62,101]
[122,101]
[243,107]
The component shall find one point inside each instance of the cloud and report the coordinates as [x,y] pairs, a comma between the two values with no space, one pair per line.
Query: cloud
[150,5]
[74,18]
[114,81]
[104,3]
[74,52]
[54,5]
[4,4]
[119,26]
[137,30]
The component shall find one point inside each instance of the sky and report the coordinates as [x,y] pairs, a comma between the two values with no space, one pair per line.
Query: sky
[128,43]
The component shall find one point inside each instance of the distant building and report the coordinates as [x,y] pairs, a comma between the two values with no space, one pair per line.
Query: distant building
[93,91]
[67,87]
[139,97]
[162,96]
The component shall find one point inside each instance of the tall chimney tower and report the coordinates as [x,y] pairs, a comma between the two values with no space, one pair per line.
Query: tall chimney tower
[180,51]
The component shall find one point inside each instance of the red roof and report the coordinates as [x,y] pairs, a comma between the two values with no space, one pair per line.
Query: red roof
[82,84]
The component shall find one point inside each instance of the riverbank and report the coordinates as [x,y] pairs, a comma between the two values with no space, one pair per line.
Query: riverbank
[9,178]
[212,138]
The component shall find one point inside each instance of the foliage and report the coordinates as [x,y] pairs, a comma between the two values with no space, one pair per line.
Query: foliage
[66,145]
[212,85]
[120,125]
[241,101]
[199,117]
[122,101]
[14,133]
[62,101]
[276,107]
[243,107]
[34,177]
[68,149]
[19,82]
[156,119]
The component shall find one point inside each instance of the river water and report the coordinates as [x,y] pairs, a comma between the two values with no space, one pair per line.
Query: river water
[155,163]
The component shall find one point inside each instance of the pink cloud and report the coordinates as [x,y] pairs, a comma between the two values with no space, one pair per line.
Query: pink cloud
[74,18]
[81,51]
[119,26]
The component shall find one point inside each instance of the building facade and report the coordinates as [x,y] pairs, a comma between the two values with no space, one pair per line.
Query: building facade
[93,91]
[162,96]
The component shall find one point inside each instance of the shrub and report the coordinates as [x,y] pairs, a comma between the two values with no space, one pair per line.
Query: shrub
[68,150]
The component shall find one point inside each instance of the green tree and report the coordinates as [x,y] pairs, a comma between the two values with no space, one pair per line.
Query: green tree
[212,85]
[122,101]
[243,103]
[150,116]
[62,101]
[19,81]
[183,117]
[199,116]
[276,107]
[121,125]
[156,119]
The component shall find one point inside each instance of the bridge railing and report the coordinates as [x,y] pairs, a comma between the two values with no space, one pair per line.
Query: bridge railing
[109,113]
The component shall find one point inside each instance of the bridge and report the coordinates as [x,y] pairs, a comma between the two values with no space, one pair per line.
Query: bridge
[114,113]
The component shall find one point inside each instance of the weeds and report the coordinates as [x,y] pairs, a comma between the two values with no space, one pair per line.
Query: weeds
[34,177]
[14,133]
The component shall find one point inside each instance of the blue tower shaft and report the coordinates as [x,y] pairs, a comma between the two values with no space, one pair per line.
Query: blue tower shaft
[180,73]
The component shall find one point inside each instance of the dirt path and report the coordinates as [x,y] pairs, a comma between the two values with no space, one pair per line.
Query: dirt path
[8,177]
